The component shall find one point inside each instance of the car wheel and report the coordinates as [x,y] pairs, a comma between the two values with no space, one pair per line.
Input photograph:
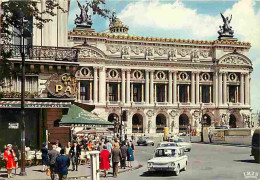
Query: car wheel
[138,144]
[185,168]
[153,144]
[257,158]
[177,172]
[189,150]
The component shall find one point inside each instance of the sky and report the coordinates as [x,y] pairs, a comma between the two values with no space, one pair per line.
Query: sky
[187,19]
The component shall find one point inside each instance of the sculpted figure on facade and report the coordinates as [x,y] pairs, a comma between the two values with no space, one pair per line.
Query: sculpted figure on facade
[233,59]
[149,54]
[113,19]
[173,54]
[125,53]
[225,30]
[195,55]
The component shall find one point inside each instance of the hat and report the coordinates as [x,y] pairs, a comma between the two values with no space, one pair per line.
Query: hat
[44,144]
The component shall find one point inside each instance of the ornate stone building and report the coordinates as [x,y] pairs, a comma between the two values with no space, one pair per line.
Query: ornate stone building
[163,82]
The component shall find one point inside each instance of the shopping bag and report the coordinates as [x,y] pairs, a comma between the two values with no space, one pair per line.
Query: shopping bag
[48,172]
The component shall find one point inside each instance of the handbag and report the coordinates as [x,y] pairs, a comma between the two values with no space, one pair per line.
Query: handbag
[48,172]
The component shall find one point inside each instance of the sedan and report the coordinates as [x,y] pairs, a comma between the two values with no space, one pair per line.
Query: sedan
[168,159]
[145,141]
[181,143]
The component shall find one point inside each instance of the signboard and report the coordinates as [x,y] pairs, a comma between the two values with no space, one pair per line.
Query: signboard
[218,135]
[31,104]
[13,125]
[62,85]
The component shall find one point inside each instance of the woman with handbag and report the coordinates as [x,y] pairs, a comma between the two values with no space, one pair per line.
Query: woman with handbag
[9,155]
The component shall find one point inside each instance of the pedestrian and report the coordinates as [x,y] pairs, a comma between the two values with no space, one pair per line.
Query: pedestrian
[124,155]
[116,143]
[9,156]
[132,146]
[125,137]
[74,154]
[67,149]
[58,144]
[210,135]
[116,158]
[44,151]
[62,163]
[104,160]
[130,155]
[53,154]
[109,146]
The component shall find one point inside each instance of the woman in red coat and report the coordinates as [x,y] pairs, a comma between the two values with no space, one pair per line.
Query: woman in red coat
[104,160]
[9,155]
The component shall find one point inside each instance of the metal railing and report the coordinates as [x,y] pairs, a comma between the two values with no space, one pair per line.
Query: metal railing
[43,52]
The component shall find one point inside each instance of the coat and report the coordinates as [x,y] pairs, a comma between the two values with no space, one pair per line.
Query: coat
[124,151]
[44,156]
[116,155]
[72,151]
[130,155]
[104,160]
[9,157]
[62,164]
[53,154]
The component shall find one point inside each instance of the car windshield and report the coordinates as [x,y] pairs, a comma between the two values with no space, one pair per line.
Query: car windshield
[179,140]
[168,145]
[165,152]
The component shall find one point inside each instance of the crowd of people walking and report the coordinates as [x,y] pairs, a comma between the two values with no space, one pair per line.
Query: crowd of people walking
[56,159]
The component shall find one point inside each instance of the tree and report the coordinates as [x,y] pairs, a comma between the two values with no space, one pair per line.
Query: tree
[10,25]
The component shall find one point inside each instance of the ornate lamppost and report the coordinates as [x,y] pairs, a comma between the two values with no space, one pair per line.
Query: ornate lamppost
[202,121]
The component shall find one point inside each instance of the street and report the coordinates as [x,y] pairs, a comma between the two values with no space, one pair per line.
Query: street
[206,161]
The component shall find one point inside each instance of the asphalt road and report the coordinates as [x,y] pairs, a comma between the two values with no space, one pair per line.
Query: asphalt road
[205,161]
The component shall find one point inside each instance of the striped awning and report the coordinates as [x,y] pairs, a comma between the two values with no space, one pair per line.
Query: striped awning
[34,104]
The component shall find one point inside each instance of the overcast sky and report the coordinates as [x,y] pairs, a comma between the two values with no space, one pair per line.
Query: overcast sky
[187,19]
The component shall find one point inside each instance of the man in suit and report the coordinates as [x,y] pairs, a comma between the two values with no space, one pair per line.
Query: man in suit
[62,163]
[74,153]
[53,154]
[116,158]
[124,154]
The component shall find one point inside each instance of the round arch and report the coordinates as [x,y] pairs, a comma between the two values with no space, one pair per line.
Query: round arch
[184,122]
[207,120]
[160,122]
[137,123]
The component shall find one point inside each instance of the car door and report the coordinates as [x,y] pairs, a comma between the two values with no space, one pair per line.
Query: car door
[182,158]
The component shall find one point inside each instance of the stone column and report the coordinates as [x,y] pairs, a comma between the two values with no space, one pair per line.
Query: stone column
[174,87]
[118,92]
[95,85]
[102,85]
[123,86]
[78,98]
[215,88]
[192,88]
[198,88]
[210,94]
[170,88]
[155,93]
[132,92]
[188,94]
[242,89]
[147,87]
[90,92]
[220,88]
[128,90]
[225,88]
[151,88]
[142,93]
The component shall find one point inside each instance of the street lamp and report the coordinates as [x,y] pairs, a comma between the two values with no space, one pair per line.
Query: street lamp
[24,33]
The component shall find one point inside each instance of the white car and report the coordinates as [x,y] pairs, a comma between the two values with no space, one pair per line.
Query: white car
[168,159]
[167,144]
[181,143]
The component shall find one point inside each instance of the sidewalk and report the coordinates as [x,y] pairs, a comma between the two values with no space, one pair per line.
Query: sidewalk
[34,172]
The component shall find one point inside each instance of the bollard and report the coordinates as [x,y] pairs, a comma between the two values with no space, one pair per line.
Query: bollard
[94,156]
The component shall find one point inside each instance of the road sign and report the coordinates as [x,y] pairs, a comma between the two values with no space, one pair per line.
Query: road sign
[13,125]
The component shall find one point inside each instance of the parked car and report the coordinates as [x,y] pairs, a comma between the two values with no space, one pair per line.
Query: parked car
[167,144]
[168,159]
[181,143]
[255,150]
[221,127]
[145,141]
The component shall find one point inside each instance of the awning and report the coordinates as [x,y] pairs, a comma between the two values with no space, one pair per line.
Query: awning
[34,104]
[80,117]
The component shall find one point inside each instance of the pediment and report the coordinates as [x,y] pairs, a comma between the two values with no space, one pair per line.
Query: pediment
[235,59]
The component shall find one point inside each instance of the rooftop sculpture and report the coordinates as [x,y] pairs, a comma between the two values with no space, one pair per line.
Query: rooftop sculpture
[226,32]
[84,20]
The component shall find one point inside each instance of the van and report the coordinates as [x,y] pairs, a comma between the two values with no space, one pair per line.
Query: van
[255,151]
